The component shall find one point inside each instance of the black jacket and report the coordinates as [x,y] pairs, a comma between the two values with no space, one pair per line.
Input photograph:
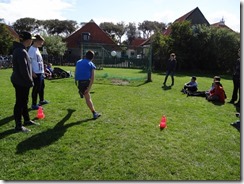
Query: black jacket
[22,72]
[171,65]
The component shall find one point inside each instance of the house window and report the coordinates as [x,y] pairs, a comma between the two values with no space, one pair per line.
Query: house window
[85,36]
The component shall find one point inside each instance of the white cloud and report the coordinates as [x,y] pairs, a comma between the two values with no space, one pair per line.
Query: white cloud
[42,10]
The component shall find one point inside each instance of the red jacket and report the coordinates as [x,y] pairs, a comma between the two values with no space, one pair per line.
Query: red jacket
[218,91]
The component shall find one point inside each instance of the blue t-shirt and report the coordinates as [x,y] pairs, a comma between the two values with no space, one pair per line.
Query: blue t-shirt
[84,69]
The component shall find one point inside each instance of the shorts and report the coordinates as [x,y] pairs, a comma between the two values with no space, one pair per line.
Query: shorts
[82,86]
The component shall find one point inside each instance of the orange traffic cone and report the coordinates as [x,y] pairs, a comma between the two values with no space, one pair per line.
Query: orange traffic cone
[40,113]
[163,124]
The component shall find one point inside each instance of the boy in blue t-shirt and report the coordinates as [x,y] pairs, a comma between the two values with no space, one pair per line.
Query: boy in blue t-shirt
[84,78]
[190,86]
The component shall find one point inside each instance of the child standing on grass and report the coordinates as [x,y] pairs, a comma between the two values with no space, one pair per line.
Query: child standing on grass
[84,78]
[22,81]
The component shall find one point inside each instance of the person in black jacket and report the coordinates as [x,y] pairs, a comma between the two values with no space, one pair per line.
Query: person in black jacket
[171,65]
[22,81]
[236,81]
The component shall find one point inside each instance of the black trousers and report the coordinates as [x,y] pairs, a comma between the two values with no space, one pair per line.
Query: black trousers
[38,89]
[236,89]
[21,104]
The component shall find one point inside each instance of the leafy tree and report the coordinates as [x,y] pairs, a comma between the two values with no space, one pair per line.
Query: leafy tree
[25,24]
[225,44]
[116,31]
[150,27]
[131,32]
[204,48]
[6,40]
[54,45]
[181,35]
[57,27]
[160,50]
[120,30]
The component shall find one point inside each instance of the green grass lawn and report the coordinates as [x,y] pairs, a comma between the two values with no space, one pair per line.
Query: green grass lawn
[125,143]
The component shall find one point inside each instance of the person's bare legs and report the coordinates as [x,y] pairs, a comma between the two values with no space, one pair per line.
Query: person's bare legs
[89,102]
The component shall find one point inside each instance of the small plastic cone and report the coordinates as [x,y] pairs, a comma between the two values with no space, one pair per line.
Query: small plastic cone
[40,114]
[163,124]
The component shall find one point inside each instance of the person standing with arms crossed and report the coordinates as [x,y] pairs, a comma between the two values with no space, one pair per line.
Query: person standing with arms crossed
[37,72]
[22,81]
[170,70]
[84,78]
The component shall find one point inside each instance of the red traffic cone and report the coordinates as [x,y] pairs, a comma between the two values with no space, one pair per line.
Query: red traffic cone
[163,124]
[40,113]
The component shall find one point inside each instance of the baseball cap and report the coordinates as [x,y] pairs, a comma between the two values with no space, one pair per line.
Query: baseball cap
[26,36]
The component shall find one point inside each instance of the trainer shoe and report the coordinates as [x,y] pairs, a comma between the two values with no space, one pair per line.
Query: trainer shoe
[22,129]
[30,122]
[43,102]
[35,107]
[96,115]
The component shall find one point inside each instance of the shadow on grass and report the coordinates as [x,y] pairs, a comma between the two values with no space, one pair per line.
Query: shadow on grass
[6,120]
[145,82]
[7,133]
[165,87]
[49,136]
[217,103]
[236,125]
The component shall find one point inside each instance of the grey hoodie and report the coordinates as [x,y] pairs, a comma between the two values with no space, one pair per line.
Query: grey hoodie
[22,73]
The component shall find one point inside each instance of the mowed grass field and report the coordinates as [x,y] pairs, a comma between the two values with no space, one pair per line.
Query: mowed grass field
[125,143]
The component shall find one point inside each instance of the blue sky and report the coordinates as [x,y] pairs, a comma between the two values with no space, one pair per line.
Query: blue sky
[115,11]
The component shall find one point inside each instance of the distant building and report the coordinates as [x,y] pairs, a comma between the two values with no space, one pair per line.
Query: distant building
[221,24]
[90,37]
[12,31]
[195,17]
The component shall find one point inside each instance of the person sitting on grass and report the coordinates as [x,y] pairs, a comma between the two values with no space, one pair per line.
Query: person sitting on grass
[206,93]
[48,74]
[216,78]
[190,86]
[217,94]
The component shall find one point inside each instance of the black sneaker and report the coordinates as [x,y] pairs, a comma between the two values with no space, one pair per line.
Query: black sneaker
[43,102]
[30,122]
[22,129]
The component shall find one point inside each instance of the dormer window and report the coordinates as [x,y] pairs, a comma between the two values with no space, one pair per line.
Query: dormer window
[85,36]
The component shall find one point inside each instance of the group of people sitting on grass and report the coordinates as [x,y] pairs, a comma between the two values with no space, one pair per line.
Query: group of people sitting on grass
[216,92]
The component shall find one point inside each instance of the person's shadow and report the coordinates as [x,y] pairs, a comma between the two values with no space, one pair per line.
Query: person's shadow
[3,122]
[49,136]
[6,120]
[165,87]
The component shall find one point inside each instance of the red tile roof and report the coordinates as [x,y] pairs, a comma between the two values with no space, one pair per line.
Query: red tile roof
[137,42]
[13,32]
[221,24]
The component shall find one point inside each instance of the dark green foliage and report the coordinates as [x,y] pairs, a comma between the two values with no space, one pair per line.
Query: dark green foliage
[203,48]
[6,40]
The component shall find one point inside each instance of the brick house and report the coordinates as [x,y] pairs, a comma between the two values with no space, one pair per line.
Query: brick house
[90,36]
